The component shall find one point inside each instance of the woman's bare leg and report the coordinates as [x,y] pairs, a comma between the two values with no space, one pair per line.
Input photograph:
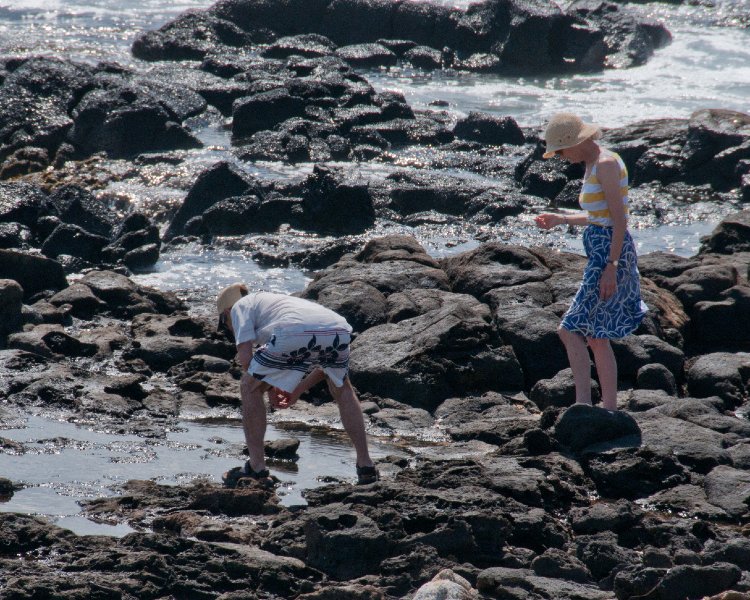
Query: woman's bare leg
[580,364]
[606,369]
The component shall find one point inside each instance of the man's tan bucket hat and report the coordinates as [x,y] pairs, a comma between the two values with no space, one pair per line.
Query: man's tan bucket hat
[228,296]
[566,130]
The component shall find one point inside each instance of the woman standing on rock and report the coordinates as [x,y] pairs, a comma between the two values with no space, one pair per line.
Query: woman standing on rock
[608,304]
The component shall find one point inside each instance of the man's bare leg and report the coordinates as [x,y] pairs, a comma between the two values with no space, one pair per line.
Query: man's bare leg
[352,420]
[254,419]
[580,364]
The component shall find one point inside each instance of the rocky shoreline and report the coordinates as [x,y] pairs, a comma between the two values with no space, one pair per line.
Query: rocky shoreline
[527,497]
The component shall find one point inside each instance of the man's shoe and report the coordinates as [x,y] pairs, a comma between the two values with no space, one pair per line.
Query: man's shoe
[234,476]
[367,475]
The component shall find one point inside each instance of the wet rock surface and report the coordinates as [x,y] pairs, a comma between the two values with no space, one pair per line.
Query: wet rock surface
[523,496]
[486,36]
[434,353]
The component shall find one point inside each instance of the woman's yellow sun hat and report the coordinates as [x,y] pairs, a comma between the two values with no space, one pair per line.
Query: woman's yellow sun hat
[566,130]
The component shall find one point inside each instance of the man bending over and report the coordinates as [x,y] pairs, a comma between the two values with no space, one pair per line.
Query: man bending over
[286,345]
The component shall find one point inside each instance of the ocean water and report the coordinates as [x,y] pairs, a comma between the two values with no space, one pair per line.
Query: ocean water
[706,66]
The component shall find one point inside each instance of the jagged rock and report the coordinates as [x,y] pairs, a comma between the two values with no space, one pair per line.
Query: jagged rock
[34,273]
[11,301]
[177,40]
[487,129]
[413,360]
[654,376]
[581,426]
[723,374]
[559,390]
[500,581]
[216,183]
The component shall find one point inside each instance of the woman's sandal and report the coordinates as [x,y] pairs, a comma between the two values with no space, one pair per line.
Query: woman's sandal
[234,476]
[367,475]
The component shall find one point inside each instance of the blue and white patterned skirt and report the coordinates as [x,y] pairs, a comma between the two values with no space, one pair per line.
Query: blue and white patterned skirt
[620,314]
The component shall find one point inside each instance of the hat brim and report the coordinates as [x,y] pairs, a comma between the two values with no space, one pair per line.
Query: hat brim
[589,131]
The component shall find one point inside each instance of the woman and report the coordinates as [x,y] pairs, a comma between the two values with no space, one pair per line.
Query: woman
[608,304]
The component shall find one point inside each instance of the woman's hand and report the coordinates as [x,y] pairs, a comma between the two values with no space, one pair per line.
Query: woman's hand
[608,282]
[549,220]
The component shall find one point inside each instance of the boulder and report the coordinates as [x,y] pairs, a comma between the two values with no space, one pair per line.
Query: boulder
[557,564]
[177,40]
[84,304]
[633,473]
[501,582]
[722,323]
[36,95]
[416,360]
[362,305]
[126,299]
[72,240]
[697,581]
[636,351]
[720,374]
[308,45]
[669,433]
[367,55]
[22,203]
[488,129]
[11,301]
[343,543]
[424,57]
[34,273]
[126,120]
[493,265]
[264,110]
[220,181]
[729,489]
[687,499]
[328,194]
[388,277]
[163,342]
[415,302]
[559,391]
[78,206]
[413,192]
[532,332]
[618,517]
[655,376]
[581,426]
[710,133]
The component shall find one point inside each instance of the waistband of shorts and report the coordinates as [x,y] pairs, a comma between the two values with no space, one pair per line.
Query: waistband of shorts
[310,330]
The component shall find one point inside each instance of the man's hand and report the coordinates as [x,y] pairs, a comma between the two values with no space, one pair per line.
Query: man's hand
[281,399]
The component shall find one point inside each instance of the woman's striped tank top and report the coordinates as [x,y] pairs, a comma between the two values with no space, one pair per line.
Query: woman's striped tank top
[592,199]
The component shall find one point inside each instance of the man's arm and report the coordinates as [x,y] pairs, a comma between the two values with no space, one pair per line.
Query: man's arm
[245,355]
[281,399]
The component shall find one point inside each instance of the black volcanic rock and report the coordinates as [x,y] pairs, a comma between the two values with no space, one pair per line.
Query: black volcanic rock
[177,40]
[499,35]
[216,183]
[33,272]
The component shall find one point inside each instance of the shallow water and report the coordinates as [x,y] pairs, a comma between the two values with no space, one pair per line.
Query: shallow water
[65,463]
